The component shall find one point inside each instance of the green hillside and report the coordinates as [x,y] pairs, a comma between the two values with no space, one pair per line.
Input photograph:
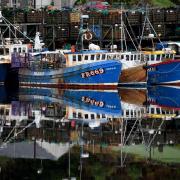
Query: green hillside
[157,3]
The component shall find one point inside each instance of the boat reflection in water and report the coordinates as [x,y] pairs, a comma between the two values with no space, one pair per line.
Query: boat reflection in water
[54,123]
[79,105]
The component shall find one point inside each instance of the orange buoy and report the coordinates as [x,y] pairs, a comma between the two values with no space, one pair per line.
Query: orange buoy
[73,48]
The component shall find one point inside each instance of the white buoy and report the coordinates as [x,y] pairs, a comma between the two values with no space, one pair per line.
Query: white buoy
[94,47]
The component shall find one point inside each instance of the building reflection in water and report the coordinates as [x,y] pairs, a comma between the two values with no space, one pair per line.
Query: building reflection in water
[91,127]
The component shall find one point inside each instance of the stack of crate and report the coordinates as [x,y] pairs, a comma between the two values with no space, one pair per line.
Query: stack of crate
[62,31]
[158,22]
[34,16]
[20,17]
[158,15]
[159,29]
[74,24]
[113,17]
[53,18]
[95,17]
[74,30]
[178,16]
[74,17]
[149,14]
[133,17]
[64,17]
[170,16]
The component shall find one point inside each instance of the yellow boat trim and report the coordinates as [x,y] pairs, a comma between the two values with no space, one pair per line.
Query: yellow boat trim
[159,52]
[160,115]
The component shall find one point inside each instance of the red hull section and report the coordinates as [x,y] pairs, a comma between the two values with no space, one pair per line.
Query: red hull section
[72,86]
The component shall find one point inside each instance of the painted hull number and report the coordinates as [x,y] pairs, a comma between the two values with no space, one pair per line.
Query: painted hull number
[92,101]
[92,73]
[39,73]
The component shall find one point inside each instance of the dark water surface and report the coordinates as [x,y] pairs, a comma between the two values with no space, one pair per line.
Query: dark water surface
[80,134]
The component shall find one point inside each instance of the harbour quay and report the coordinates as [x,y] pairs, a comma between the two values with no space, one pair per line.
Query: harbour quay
[58,27]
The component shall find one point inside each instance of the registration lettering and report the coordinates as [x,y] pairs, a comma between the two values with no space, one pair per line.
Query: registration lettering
[92,101]
[92,73]
[38,73]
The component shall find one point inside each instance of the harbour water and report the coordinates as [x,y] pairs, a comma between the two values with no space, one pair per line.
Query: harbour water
[88,134]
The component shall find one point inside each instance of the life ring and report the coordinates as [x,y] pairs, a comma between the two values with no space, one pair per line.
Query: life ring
[87,36]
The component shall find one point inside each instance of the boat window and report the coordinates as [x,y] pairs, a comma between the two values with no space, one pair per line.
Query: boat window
[79,115]
[103,57]
[98,116]
[139,113]
[1,52]
[152,57]
[7,50]
[86,116]
[148,110]
[127,113]
[122,57]
[86,57]
[147,58]
[92,116]
[158,57]
[19,50]
[74,114]
[7,112]
[131,113]
[15,50]
[74,58]
[79,57]
[127,58]
[152,111]
[98,56]
[92,57]
[163,56]
[132,57]
[142,111]
[158,110]
[24,50]
[103,116]
[1,111]
[163,111]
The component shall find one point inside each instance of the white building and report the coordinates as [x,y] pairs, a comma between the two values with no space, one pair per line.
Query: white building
[57,3]
[36,3]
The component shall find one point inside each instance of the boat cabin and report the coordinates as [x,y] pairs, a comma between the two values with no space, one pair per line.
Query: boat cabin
[86,117]
[82,57]
[152,57]
[7,49]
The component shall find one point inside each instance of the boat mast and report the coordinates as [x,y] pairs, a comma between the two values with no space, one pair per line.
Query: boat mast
[121,29]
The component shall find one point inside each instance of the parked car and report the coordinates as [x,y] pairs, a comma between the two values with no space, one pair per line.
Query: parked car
[97,5]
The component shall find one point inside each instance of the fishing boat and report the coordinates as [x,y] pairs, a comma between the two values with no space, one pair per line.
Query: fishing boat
[80,68]
[133,62]
[9,46]
[50,104]
[167,97]
[164,73]
[104,102]
[87,68]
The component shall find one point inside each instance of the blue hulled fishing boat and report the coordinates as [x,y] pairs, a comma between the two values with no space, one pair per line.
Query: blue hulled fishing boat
[104,102]
[78,68]
[87,69]
[165,96]
[167,73]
